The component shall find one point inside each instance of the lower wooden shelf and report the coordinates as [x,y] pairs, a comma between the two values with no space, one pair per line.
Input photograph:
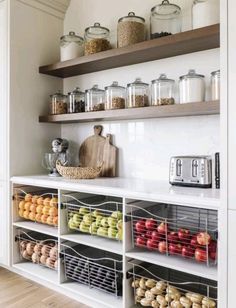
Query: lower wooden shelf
[177,110]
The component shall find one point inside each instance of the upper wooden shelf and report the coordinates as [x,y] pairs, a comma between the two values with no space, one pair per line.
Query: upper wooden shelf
[165,47]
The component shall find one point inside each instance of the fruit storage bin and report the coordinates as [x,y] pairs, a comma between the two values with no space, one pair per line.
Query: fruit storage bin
[93,267]
[96,215]
[186,232]
[38,249]
[39,206]
[156,286]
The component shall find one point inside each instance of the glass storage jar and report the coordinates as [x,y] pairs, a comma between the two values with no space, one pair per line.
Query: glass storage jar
[58,103]
[94,99]
[163,91]
[71,46]
[205,13]
[192,87]
[115,96]
[76,101]
[138,94]
[165,19]
[130,30]
[97,39]
[215,85]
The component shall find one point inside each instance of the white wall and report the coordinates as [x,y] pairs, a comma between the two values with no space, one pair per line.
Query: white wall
[145,147]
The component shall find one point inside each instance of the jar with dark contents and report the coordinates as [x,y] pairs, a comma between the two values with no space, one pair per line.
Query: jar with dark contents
[58,103]
[94,99]
[115,96]
[137,94]
[76,101]
[97,39]
[162,91]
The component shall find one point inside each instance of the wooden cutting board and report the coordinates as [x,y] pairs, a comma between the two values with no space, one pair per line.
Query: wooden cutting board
[97,150]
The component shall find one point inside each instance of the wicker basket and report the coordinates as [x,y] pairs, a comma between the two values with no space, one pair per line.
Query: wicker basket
[78,172]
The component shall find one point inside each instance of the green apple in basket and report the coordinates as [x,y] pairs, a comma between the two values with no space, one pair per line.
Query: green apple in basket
[104,222]
[117,215]
[83,210]
[96,213]
[112,222]
[119,225]
[84,228]
[102,231]
[72,225]
[93,228]
[88,219]
[112,232]
[119,235]
[77,218]
[99,220]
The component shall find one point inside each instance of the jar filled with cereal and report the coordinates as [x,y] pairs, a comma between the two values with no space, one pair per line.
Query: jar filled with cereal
[138,94]
[58,103]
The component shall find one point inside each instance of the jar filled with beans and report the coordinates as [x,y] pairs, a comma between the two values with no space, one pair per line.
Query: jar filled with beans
[94,99]
[97,39]
[115,96]
[58,103]
[138,94]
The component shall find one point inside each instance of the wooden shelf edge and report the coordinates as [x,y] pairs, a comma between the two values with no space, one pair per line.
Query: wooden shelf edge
[165,47]
[178,110]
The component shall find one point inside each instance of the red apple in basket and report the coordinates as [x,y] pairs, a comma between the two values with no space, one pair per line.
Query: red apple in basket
[140,226]
[200,255]
[162,228]
[212,249]
[152,245]
[188,251]
[194,242]
[203,238]
[184,236]
[157,237]
[173,237]
[151,224]
[140,241]
[175,249]
[148,234]
[162,247]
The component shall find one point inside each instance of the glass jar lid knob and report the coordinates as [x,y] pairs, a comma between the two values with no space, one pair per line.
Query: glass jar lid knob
[97,24]
[165,2]
[72,33]
[131,14]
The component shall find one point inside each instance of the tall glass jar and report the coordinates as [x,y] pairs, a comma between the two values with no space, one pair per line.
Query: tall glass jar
[192,87]
[130,30]
[166,19]
[72,46]
[138,94]
[215,85]
[205,13]
[58,103]
[163,91]
[97,39]
[94,99]
[115,96]
[76,101]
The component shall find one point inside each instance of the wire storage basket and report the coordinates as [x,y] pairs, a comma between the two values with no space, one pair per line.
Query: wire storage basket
[93,267]
[156,286]
[40,207]
[186,232]
[97,215]
[37,248]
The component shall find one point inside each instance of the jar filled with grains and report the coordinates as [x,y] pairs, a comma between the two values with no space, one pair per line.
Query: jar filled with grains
[94,99]
[58,103]
[138,94]
[163,91]
[115,96]
[96,39]
[76,101]
[130,30]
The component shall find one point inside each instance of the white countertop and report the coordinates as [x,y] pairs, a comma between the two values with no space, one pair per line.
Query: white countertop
[157,191]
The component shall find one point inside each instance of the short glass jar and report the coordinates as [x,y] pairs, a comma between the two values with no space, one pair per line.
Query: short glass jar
[205,13]
[94,99]
[76,101]
[115,97]
[130,30]
[97,39]
[166,19]
[192,88]
[71,46]
[58,103]
[138,94]
[215,85]
[162,91]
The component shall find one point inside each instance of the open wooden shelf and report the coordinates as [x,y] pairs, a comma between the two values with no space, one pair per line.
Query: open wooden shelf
[165,47]
[178,110]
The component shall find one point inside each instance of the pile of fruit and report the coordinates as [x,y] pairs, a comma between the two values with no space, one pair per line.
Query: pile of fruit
[97,223]
[40,253]
[95,275]
[158,237]
[39,209]
[156,294]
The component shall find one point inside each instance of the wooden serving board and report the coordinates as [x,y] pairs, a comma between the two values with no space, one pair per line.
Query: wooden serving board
[97,150]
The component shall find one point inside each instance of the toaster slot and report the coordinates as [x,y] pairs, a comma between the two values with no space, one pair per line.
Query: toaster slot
[178,167]
[194,168]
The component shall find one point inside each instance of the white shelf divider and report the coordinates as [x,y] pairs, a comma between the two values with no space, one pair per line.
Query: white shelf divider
[34,226]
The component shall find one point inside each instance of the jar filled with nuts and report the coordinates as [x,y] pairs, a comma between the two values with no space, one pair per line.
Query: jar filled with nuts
[138,94]
[130,30]
[163,91]
[76,101]
[115,96]
[94,99]
[96,39]
[58,103]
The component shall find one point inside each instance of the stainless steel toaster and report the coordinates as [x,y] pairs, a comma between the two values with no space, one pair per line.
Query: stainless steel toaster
[194,171]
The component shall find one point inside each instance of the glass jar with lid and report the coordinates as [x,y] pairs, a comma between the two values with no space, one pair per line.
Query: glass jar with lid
[215,85]
[97,39]
[166,19]
[192,87]
[71,46]
[115,96]
[205,13]
[58,103]
[76,101]
[130,30]
[94,99]
[138,94]
[163,91]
